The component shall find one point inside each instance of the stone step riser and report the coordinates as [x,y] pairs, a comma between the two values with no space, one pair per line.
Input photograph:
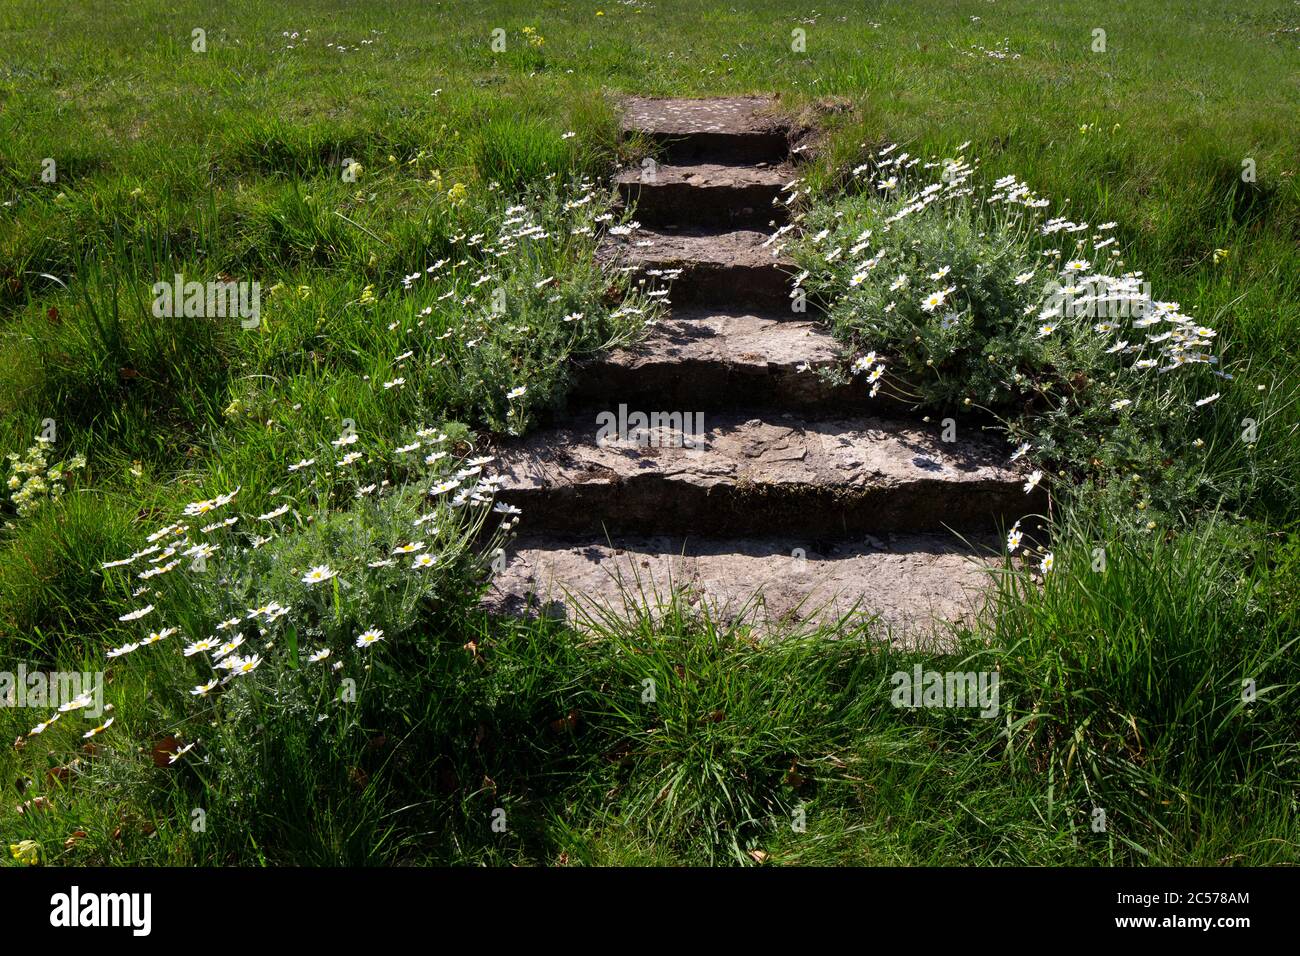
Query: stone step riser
[710,385]
[701,359]
[742,148]
[654,504]
[663,470]
[724,285]
[680,204]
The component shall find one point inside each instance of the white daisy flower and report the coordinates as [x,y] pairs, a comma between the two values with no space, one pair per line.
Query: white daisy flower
[1014,537]
[245,665]
[180,753]
[136,615]
[77,703]
[200,647]
[43,726]
[318,574]
[97,730]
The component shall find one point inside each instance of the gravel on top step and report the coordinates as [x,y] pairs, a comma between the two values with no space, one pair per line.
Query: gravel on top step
[707,194]
[733,474]
[911,585]
[728,129]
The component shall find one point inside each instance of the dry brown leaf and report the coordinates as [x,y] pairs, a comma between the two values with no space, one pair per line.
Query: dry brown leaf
[163,750]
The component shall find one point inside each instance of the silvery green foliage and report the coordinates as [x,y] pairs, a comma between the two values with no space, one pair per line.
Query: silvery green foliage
[961,295]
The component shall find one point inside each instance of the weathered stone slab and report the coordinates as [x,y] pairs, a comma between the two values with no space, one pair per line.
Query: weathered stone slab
[909,586]
[701,359]
[733,270]
[725,130]
[819,476]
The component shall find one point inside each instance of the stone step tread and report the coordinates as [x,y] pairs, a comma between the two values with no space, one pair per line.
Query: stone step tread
[911,584]
[704,359]
[683,117]
[653,248]
[736,339]
[708,176]
[780,449]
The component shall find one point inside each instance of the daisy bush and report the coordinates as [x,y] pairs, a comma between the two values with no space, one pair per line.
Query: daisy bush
[308,600]
[256,635]
[960,294]
[479,323]
[971,296]
[342,555]
[34,479]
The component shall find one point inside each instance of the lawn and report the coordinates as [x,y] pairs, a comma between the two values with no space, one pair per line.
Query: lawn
[420,211]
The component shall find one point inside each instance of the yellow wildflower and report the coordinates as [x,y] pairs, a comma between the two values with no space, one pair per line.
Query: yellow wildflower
[26,851]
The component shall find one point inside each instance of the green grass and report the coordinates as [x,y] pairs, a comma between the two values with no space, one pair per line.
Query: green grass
[1120,690]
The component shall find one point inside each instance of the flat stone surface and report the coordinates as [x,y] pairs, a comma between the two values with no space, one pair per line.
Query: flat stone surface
[910,584]
[687,248]
[739,474]
[730,129]
[682,117]
[702,359]
[709,177]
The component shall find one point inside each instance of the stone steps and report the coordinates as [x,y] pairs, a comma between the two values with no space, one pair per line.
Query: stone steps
[704,359]
[739,475]
[751,472]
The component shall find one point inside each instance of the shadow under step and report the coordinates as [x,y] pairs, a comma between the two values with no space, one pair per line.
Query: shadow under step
[706,195]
